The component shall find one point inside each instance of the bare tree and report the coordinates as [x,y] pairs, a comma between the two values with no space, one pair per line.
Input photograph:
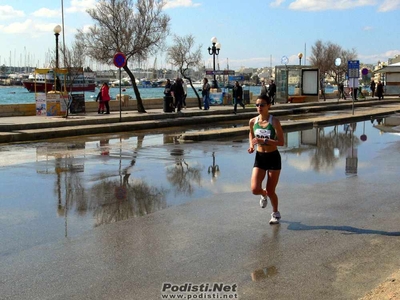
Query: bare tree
[323,56]
[74,59]
[182,55]
[136,29]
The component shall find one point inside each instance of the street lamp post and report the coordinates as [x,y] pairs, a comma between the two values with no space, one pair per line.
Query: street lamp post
[214,50]
[300,56]
[57,31]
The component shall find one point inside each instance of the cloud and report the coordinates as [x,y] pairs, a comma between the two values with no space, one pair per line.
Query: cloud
[33,28]
[374,58]
[8,12]
[368,28]
[80,5]
[48,13]
[319,5]
[180,3]
[389,5]
[276,3]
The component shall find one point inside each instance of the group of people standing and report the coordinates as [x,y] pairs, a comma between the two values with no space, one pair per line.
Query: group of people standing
[177,90]
[103,97]
[378,88]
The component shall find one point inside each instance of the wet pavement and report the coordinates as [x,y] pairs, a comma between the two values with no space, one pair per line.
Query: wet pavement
[117,216]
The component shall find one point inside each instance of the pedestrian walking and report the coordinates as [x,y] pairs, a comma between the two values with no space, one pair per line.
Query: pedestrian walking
[372,87]
[105,96]
[272,91]
[266,134]
[205,92]
[379,90]
[237,96]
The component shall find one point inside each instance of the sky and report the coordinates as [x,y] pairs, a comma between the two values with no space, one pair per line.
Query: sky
[252,33]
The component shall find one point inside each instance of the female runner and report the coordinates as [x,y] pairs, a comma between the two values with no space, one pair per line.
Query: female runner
[266,132]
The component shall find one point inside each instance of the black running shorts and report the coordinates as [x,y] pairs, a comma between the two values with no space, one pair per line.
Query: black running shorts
[268,160]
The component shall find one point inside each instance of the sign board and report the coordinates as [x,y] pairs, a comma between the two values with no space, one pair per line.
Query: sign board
[236,78]
[220,72]
[353,67]
[119,59]
[77,103]
[216,98]
[53,104]
[364,71]
[40,104]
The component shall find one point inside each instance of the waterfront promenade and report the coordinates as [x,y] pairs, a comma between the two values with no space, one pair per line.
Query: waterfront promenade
[337,240]
[30,128]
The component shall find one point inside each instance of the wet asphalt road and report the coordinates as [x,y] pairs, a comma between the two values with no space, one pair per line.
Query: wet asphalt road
[337,240]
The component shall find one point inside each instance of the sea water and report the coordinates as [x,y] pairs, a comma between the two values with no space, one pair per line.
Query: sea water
[20,95]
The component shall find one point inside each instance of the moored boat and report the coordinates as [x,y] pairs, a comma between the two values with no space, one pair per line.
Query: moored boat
[45,82]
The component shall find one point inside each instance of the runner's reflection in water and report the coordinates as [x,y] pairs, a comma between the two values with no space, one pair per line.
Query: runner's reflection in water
[268,253]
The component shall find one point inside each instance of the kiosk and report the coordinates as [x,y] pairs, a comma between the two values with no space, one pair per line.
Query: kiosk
[53,102]
[296,83]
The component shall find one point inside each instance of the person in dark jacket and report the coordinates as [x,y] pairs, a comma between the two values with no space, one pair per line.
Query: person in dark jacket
[237,96]
[379,90]
[341,91]
[169,105]
[101,103]
[167,88]
[178,93]
[205,93]
[272,91]
[372,87]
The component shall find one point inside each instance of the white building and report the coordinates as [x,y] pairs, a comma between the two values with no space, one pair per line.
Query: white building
[390,75]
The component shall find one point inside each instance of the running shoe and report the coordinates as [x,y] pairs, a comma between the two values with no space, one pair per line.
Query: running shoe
[275,216]
[263,201]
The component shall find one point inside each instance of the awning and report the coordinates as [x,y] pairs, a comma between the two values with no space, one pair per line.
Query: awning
[393,68]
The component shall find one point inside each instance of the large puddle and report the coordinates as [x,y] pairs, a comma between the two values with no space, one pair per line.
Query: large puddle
[52,190]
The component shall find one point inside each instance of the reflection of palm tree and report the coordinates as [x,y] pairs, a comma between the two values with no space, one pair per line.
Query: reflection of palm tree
[182,175]
[324,156]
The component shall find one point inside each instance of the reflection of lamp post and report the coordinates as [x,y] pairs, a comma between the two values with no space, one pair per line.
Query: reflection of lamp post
[57,31]
[214,50]
[214,169]
[300,56]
